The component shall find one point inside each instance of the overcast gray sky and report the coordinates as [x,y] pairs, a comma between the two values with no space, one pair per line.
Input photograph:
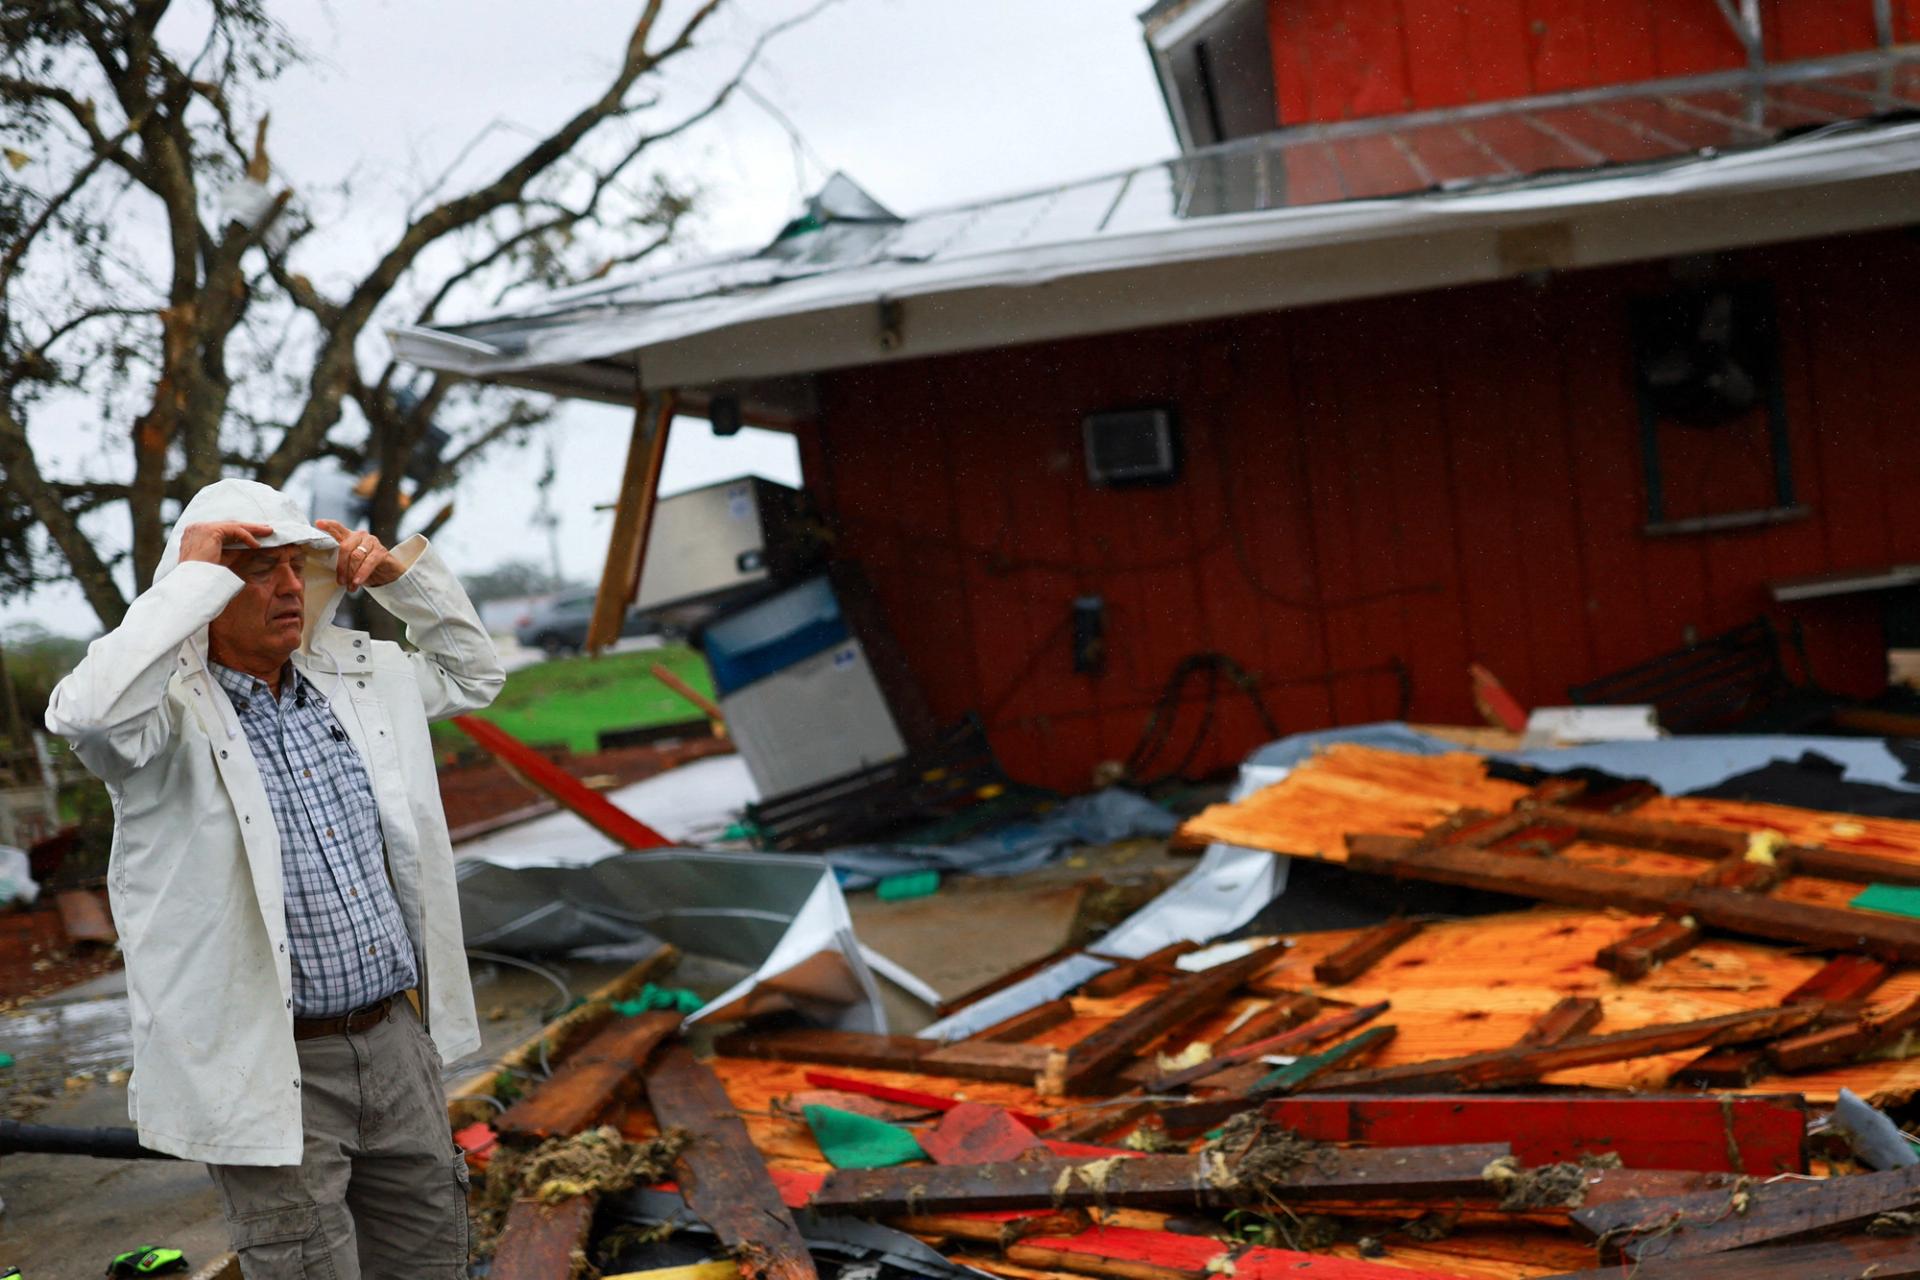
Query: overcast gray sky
[924,102]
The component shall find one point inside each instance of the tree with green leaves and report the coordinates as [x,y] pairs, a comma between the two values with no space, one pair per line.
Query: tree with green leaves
[152,282]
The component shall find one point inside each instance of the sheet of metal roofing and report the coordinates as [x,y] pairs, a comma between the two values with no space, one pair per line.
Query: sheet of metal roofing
[1358,179]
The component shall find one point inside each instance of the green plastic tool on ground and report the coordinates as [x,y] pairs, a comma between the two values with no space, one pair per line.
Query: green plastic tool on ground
[148,1260]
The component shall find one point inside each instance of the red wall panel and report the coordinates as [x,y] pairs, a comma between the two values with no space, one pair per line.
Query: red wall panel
[1412,482]
[1339,59]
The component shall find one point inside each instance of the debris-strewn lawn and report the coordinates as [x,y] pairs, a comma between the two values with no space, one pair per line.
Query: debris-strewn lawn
[571,700]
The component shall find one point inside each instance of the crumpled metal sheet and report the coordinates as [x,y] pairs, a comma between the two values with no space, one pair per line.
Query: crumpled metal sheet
[780,915]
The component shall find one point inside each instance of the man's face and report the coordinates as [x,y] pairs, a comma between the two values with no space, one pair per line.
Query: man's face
[263,621]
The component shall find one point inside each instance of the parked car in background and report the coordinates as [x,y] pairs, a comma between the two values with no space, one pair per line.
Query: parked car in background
[559,625]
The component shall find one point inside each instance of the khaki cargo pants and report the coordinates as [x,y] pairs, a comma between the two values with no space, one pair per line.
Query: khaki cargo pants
[381,1193]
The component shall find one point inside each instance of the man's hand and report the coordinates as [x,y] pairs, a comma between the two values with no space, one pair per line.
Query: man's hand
[363,560]
[210,542]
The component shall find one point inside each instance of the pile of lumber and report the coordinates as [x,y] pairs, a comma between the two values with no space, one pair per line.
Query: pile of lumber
[1629,1079]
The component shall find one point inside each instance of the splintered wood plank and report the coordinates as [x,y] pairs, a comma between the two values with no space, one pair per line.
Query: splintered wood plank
[976,1134]
[1365,951]
[1165,1255]
[1572,1016]
[539,1240]
[1636,955]
[1520,1066]
[1843,980]
[1757,1136]
[1026,1025]
[1283,1013]
[723,1178]
[1125,977]
[1305,1070]
[909,1097]
[1847,1042]
[1283,1042]
[1536,839]
[1717,842]
[591,1081]
[1174,1181]
[965,1060]
[1855,1259]
[1820,927]
[1106,1050]
[1736,872]
[1688,1226]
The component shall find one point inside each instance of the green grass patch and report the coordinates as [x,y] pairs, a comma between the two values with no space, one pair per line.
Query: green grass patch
[572,700]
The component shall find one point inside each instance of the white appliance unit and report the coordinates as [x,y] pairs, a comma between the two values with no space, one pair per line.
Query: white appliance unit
[798,689]
[724,540]
[820,718]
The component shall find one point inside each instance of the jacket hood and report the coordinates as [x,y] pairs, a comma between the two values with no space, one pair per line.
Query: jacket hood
[256,503]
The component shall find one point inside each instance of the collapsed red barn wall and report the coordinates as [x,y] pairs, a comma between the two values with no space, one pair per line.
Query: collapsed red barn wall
[1338,59]
[1432,480]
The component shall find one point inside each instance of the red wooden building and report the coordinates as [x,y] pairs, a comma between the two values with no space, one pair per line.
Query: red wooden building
[1548,334]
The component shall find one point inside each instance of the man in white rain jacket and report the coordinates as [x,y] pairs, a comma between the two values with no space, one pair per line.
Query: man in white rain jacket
[283,882]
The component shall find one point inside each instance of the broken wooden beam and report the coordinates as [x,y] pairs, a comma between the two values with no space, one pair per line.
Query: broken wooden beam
[1104,1052]
[907,1097]
[1842,981]
[1128,974]
[964,1059]
[1285,1041]
[1711,1222]
[539,1241]
[1523,1065]
[1304,1070]
[723,1179]
[1572,1016]
[1640,952]
[1760,1136]
[1283,1013]
[1205,1181]
[1365,951]
[1718,842]
[1849,1042]
[590,1081]
[1754,915]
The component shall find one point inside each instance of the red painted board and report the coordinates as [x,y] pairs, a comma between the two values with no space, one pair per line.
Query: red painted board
[1198,1254]
[974,1133]
[595,809]
[1084,1150]
[912,1097]
[1756,1136]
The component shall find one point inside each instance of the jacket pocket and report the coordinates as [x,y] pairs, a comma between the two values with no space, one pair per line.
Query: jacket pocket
[281,1244]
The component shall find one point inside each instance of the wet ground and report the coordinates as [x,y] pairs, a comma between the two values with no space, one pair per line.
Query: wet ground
[65,1216]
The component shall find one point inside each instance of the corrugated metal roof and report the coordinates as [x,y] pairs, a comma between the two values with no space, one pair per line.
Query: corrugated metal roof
[1476,150]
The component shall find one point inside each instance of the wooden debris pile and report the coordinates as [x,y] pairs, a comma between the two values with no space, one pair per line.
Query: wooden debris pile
[1535,1093]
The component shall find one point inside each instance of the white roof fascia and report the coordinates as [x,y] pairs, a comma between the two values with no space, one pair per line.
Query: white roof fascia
[1852,180]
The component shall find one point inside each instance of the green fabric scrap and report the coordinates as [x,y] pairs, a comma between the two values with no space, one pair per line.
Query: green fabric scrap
[907,884]
[651,998]
[1892,899]
[852,1141]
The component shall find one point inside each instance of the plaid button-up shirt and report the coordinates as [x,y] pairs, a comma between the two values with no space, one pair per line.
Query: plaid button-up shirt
[345,936]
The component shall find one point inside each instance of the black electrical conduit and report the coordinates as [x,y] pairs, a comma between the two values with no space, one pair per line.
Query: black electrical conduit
[64,1140]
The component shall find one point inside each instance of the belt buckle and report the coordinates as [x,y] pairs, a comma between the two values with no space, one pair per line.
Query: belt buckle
[378,1009]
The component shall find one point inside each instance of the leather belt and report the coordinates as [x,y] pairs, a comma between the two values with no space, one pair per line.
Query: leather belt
[346,1024]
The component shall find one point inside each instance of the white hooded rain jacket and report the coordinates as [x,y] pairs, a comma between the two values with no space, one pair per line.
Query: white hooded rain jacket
[195,875]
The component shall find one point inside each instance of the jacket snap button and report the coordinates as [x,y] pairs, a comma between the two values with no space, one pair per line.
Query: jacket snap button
[361,658]
[361,683]
[356,644]
[223,754]
[249,818]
